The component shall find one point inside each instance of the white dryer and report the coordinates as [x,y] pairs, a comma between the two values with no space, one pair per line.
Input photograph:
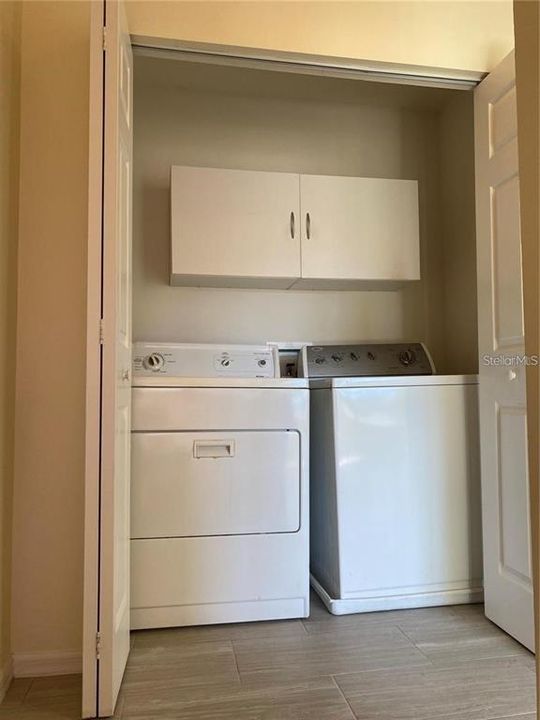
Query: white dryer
[219,493]
[395,479]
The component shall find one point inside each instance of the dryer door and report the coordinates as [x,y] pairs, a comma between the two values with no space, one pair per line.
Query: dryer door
[189,484]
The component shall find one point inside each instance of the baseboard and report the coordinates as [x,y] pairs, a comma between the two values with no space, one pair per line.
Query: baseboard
[39,664]
[6,676]
[349,606]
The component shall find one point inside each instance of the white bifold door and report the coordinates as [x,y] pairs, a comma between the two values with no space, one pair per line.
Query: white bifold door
[503,413]
[107,581]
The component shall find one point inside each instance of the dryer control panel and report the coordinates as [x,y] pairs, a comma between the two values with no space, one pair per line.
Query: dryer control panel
[367,360]
[204,361]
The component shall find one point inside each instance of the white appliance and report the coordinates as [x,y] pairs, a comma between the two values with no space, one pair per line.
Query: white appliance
[219,493]
[395,479]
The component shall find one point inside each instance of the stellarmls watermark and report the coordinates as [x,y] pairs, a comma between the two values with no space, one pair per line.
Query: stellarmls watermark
[510,360]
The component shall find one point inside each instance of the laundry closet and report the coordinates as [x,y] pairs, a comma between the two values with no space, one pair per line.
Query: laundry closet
[289,217]
[295,209]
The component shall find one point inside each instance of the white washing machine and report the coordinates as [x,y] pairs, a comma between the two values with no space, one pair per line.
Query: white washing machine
[395,479]
[219,492]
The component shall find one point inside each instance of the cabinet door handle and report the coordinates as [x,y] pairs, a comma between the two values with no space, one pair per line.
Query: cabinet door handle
[292,224]
[308,226]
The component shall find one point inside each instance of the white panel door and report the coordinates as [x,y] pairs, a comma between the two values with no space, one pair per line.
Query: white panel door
[359,228]
[90,664]
[239,224]
[505,483]
[116,403]
[107,552]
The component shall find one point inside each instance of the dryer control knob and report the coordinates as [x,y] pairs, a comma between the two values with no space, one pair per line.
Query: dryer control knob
[154,362]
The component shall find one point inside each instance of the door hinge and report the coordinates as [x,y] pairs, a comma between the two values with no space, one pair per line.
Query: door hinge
[98,645]
[104,38]
[101,332]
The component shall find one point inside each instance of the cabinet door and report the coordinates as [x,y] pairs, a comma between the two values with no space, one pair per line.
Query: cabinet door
[359,228]
[234,227]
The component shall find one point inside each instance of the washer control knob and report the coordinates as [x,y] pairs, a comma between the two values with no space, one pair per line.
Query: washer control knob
[407,357]
[225,362]
[261,363]
[154,362]
[337,358]
[320,360]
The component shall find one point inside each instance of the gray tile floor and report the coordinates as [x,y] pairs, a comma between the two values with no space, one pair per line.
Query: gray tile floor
[429,664]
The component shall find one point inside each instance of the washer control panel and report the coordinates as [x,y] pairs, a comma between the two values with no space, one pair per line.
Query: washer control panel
[367,360]
[204,361]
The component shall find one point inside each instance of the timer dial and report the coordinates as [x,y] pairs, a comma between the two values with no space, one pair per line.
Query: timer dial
[154,362]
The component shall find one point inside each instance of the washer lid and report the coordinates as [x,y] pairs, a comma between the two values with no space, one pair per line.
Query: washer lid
[392,382]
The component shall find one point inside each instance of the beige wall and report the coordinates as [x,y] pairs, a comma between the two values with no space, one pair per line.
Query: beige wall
[527,21]
[49,428]
[10,14]
[270,121]
[458,223]
[469,35]
[48,513]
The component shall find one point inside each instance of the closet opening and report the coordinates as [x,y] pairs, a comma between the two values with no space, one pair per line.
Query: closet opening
[306,510]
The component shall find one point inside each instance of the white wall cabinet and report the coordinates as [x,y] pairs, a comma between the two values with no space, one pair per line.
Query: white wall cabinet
[234,228]
[237,228]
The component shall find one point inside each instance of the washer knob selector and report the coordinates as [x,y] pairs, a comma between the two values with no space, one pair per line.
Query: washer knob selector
[154,362]
[407,357]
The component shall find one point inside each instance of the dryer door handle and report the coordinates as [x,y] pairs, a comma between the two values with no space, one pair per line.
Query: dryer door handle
[214,448]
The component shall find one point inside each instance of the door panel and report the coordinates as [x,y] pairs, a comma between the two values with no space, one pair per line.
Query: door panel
[513,508]
[506,252]
[503,120]
[505,484]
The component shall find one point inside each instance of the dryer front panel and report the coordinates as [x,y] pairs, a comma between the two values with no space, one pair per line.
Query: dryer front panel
[192,483]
